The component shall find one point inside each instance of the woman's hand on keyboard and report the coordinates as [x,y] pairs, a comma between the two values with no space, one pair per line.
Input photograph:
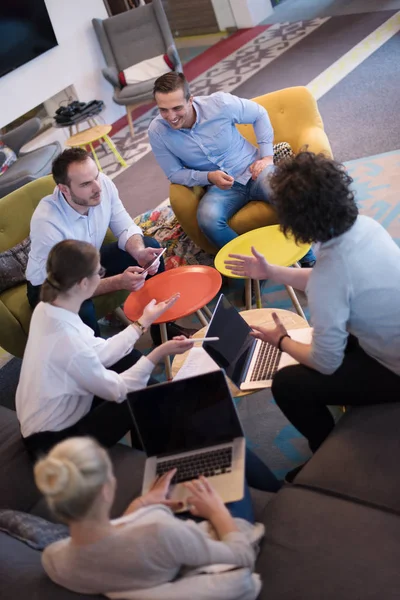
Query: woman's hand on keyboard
[158,494]
[204,500]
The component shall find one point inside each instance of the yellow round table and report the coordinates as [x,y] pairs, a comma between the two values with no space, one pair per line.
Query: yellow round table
[277,249]
[261,317]
[93,134]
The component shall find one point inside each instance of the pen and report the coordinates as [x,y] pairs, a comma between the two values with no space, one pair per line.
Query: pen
[206,339]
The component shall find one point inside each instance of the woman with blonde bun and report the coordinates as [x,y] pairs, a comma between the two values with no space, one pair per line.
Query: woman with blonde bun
[73,383]
[145,548]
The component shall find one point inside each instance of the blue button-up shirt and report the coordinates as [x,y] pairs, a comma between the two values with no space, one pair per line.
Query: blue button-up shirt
[213,143]
[55,220]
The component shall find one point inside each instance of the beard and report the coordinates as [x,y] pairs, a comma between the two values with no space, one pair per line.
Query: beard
[93,200]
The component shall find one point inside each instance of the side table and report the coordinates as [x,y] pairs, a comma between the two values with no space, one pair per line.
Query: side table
[258,316]
[197,286]
[88,136]
[277,249]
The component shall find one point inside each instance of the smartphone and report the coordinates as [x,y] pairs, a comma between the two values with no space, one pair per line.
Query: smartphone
[151,262]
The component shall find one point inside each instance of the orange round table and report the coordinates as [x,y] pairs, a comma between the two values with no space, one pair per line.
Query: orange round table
[197,286]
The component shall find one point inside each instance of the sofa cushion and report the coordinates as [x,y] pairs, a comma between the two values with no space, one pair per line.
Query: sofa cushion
[37,162]
[17,486]
[30,529]
[22,575]
[360,458]
[13,264]
[17,303]
[321,547]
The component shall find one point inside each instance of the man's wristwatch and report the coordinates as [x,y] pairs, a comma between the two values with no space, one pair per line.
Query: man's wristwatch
[279,344]
[141,327]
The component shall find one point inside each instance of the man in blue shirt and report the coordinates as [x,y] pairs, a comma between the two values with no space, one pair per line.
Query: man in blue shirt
[195,142]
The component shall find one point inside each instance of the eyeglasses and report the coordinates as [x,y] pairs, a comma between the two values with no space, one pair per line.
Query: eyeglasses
[101,272]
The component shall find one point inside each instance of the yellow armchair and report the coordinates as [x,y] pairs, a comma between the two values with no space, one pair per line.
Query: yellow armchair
[16,211]
[295,118]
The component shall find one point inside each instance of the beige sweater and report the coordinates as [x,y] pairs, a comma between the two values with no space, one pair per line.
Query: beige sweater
[146,549]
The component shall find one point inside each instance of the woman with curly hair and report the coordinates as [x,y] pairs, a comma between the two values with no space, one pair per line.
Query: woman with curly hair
[353,295]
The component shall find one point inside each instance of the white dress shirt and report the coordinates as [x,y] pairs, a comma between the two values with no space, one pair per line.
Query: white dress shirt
[65,366]
[55,220]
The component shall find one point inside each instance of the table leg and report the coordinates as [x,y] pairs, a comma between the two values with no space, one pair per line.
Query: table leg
[295,301]
[207,311]
[247,294]
[167,362]
[201,318]
[257,293]
[96,160]
[114,151]
[92,122]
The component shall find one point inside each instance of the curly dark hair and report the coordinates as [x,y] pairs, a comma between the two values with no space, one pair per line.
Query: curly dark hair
[313,198]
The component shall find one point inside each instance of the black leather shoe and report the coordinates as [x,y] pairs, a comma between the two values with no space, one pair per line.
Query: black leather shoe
[172,331]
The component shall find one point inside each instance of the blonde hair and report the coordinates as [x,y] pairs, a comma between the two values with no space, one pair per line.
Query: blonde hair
[72,475]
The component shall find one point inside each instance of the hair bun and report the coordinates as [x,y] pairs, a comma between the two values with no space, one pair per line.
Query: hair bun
[54,476]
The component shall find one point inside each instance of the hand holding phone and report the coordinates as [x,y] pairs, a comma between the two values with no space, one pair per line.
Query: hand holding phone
[151,262]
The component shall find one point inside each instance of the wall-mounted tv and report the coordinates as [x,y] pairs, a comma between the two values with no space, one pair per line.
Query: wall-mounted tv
[25,32]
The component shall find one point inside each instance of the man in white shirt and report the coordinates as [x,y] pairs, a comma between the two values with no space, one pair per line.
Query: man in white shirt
[82,207]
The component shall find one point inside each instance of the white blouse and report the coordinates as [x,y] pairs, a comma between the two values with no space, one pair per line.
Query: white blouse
[65,366]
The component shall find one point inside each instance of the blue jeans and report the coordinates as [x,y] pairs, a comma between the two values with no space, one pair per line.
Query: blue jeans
[218,206]
[258,476]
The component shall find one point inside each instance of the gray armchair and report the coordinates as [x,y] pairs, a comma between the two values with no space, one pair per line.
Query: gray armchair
[129,38]
[29,165]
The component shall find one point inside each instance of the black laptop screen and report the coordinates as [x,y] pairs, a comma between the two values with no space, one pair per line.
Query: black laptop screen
[185,415]
[231,351]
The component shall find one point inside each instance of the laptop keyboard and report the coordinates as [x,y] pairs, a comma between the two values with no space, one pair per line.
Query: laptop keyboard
[214,462]
[266,364]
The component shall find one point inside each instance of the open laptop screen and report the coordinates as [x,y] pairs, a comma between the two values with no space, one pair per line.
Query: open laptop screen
[185,415]
[231,351]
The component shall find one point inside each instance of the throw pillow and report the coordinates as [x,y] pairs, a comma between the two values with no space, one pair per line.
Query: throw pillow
[7,157]
[33,531]
[145,70]
[281,151]
[13,265]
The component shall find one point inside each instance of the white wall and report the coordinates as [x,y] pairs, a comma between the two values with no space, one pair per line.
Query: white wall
[77,61]
[223,14]
[248,13]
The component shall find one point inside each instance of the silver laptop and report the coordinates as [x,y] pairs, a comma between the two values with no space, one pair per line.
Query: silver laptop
[250,363]
[191,425]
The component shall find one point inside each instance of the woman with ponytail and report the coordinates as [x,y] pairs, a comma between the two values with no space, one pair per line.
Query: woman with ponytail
[73,383]
[148,547]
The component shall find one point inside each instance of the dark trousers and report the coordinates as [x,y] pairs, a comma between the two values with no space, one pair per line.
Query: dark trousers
[106,421]
[303,394]
[115,261]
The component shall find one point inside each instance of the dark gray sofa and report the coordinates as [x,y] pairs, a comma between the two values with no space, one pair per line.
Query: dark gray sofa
[332,535]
